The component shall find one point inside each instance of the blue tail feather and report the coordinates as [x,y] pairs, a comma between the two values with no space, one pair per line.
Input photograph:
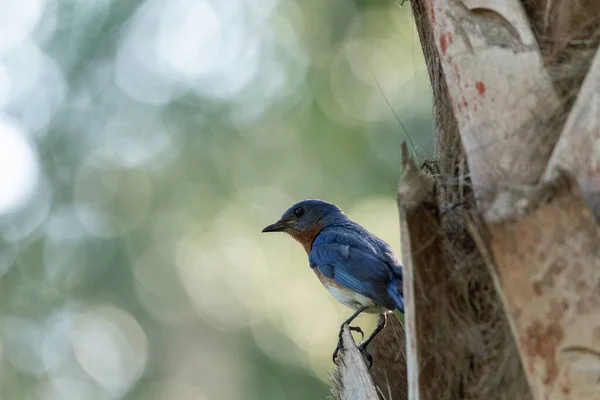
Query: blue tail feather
[394,290]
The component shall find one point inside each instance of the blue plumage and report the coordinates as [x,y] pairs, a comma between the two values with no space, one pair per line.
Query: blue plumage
[359,261]
[357,268]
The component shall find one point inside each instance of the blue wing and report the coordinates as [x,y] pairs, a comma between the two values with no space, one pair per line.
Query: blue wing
[359,265]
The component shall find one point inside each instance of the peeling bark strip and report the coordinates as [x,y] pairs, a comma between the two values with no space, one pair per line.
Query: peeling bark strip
[422,257]
[492,64]
[388,372]
[581,137]
[547,266]
[353,380]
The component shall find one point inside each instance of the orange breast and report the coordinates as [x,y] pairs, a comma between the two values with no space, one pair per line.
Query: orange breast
[306,239]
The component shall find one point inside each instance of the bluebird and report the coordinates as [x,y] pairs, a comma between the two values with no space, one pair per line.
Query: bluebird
[360,270]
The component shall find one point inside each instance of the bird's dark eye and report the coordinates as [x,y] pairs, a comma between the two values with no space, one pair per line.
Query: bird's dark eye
[298,212]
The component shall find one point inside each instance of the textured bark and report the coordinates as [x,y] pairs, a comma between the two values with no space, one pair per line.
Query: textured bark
[490,57]
[389,361]
[511,109]
[448,147]
[465,335]
[546,258]
[422,256]
[387,376]
[352,380]
[578,149]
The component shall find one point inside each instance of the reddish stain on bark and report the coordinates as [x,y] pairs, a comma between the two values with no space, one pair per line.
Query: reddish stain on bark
[443,44]
[457,73]
[430,11]
[480,88]
[540,342]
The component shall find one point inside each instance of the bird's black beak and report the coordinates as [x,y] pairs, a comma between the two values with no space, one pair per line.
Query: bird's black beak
[278,226]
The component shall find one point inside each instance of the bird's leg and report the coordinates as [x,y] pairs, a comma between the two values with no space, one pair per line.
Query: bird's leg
[352,328]
[381,321]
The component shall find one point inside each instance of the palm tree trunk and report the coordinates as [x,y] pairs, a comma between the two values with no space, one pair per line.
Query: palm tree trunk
[500,237]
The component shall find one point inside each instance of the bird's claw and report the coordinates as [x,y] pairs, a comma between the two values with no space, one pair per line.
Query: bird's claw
[357,329]
[363,350]
[336,351]
[339,344]
[352,328]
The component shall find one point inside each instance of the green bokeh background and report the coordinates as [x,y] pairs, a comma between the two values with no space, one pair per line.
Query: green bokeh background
[157,139]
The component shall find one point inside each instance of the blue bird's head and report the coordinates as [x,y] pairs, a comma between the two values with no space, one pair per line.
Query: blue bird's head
[307,217]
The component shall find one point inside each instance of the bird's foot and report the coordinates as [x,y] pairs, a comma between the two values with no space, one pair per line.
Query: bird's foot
[339,344]
[352,328]
[357,329]
[363,350]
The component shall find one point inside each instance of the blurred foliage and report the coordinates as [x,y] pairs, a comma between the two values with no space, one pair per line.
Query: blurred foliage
[144,145]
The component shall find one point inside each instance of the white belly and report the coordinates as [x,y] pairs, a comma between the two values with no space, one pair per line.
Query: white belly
[352,299]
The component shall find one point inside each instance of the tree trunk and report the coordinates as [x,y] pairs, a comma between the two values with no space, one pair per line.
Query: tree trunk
[500,240]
